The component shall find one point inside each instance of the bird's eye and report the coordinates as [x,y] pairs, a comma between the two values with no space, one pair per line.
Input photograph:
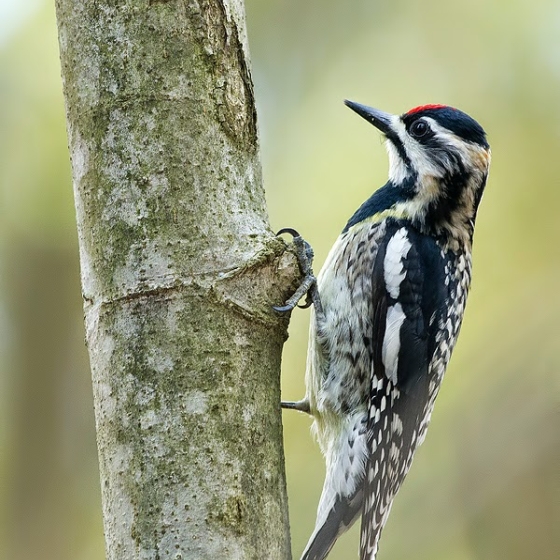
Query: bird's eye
[419,129]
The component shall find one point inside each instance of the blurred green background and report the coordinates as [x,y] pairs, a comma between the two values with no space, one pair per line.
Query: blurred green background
[485,483]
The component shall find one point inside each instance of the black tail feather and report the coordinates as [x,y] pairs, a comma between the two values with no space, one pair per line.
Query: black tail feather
[340,518]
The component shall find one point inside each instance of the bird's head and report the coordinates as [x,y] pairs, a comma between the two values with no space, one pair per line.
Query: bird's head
[438,163]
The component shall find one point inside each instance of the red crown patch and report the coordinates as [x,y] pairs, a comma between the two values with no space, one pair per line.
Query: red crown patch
[425,108]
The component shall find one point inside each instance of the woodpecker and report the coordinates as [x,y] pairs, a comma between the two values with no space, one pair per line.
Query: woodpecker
[387,309]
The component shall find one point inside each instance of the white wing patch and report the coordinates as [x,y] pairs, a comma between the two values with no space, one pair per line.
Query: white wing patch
[394,273]
[393,269]
[392,341]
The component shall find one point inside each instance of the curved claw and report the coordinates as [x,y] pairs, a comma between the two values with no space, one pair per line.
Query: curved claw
[308,302]
[308,283]
[308,286]
[282,308]
[291,231]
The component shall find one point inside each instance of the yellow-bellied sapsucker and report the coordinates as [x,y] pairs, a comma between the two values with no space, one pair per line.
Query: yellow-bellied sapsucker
[388,306]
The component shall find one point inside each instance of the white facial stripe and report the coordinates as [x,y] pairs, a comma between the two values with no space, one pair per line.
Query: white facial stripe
[398,126]
[398,171]
[471,154]
[420,160]
[392,341]
[446,135]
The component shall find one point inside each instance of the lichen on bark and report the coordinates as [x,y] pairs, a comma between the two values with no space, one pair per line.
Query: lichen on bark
[179,272]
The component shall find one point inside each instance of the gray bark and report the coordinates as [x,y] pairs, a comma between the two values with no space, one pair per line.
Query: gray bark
[179,272]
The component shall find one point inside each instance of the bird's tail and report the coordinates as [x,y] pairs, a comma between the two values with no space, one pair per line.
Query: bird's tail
[341,516]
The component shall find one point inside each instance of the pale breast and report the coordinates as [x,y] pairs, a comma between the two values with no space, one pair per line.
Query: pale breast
[340,375]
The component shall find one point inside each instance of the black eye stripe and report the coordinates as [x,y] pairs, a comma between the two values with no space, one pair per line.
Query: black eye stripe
[393,137]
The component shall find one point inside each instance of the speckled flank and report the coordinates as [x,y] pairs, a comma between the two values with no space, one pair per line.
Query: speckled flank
[339,375]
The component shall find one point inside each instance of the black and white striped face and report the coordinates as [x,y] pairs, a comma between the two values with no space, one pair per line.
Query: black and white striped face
[438,151]
[437,142]
[431,141]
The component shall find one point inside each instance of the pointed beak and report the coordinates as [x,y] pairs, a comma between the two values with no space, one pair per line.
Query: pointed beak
[379,119]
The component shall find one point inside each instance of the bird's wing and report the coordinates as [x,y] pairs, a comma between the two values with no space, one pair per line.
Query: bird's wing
[405,306]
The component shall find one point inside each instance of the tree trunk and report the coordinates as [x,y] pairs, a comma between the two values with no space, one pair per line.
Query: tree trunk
[179,272]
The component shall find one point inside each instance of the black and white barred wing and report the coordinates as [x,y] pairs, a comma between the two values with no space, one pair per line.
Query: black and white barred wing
[405,304]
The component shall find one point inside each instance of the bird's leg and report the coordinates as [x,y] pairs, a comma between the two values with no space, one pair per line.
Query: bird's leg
[308,286]
[302,406]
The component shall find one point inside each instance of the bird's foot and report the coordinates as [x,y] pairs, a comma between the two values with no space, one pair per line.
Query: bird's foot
[302,406]
[308,286]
